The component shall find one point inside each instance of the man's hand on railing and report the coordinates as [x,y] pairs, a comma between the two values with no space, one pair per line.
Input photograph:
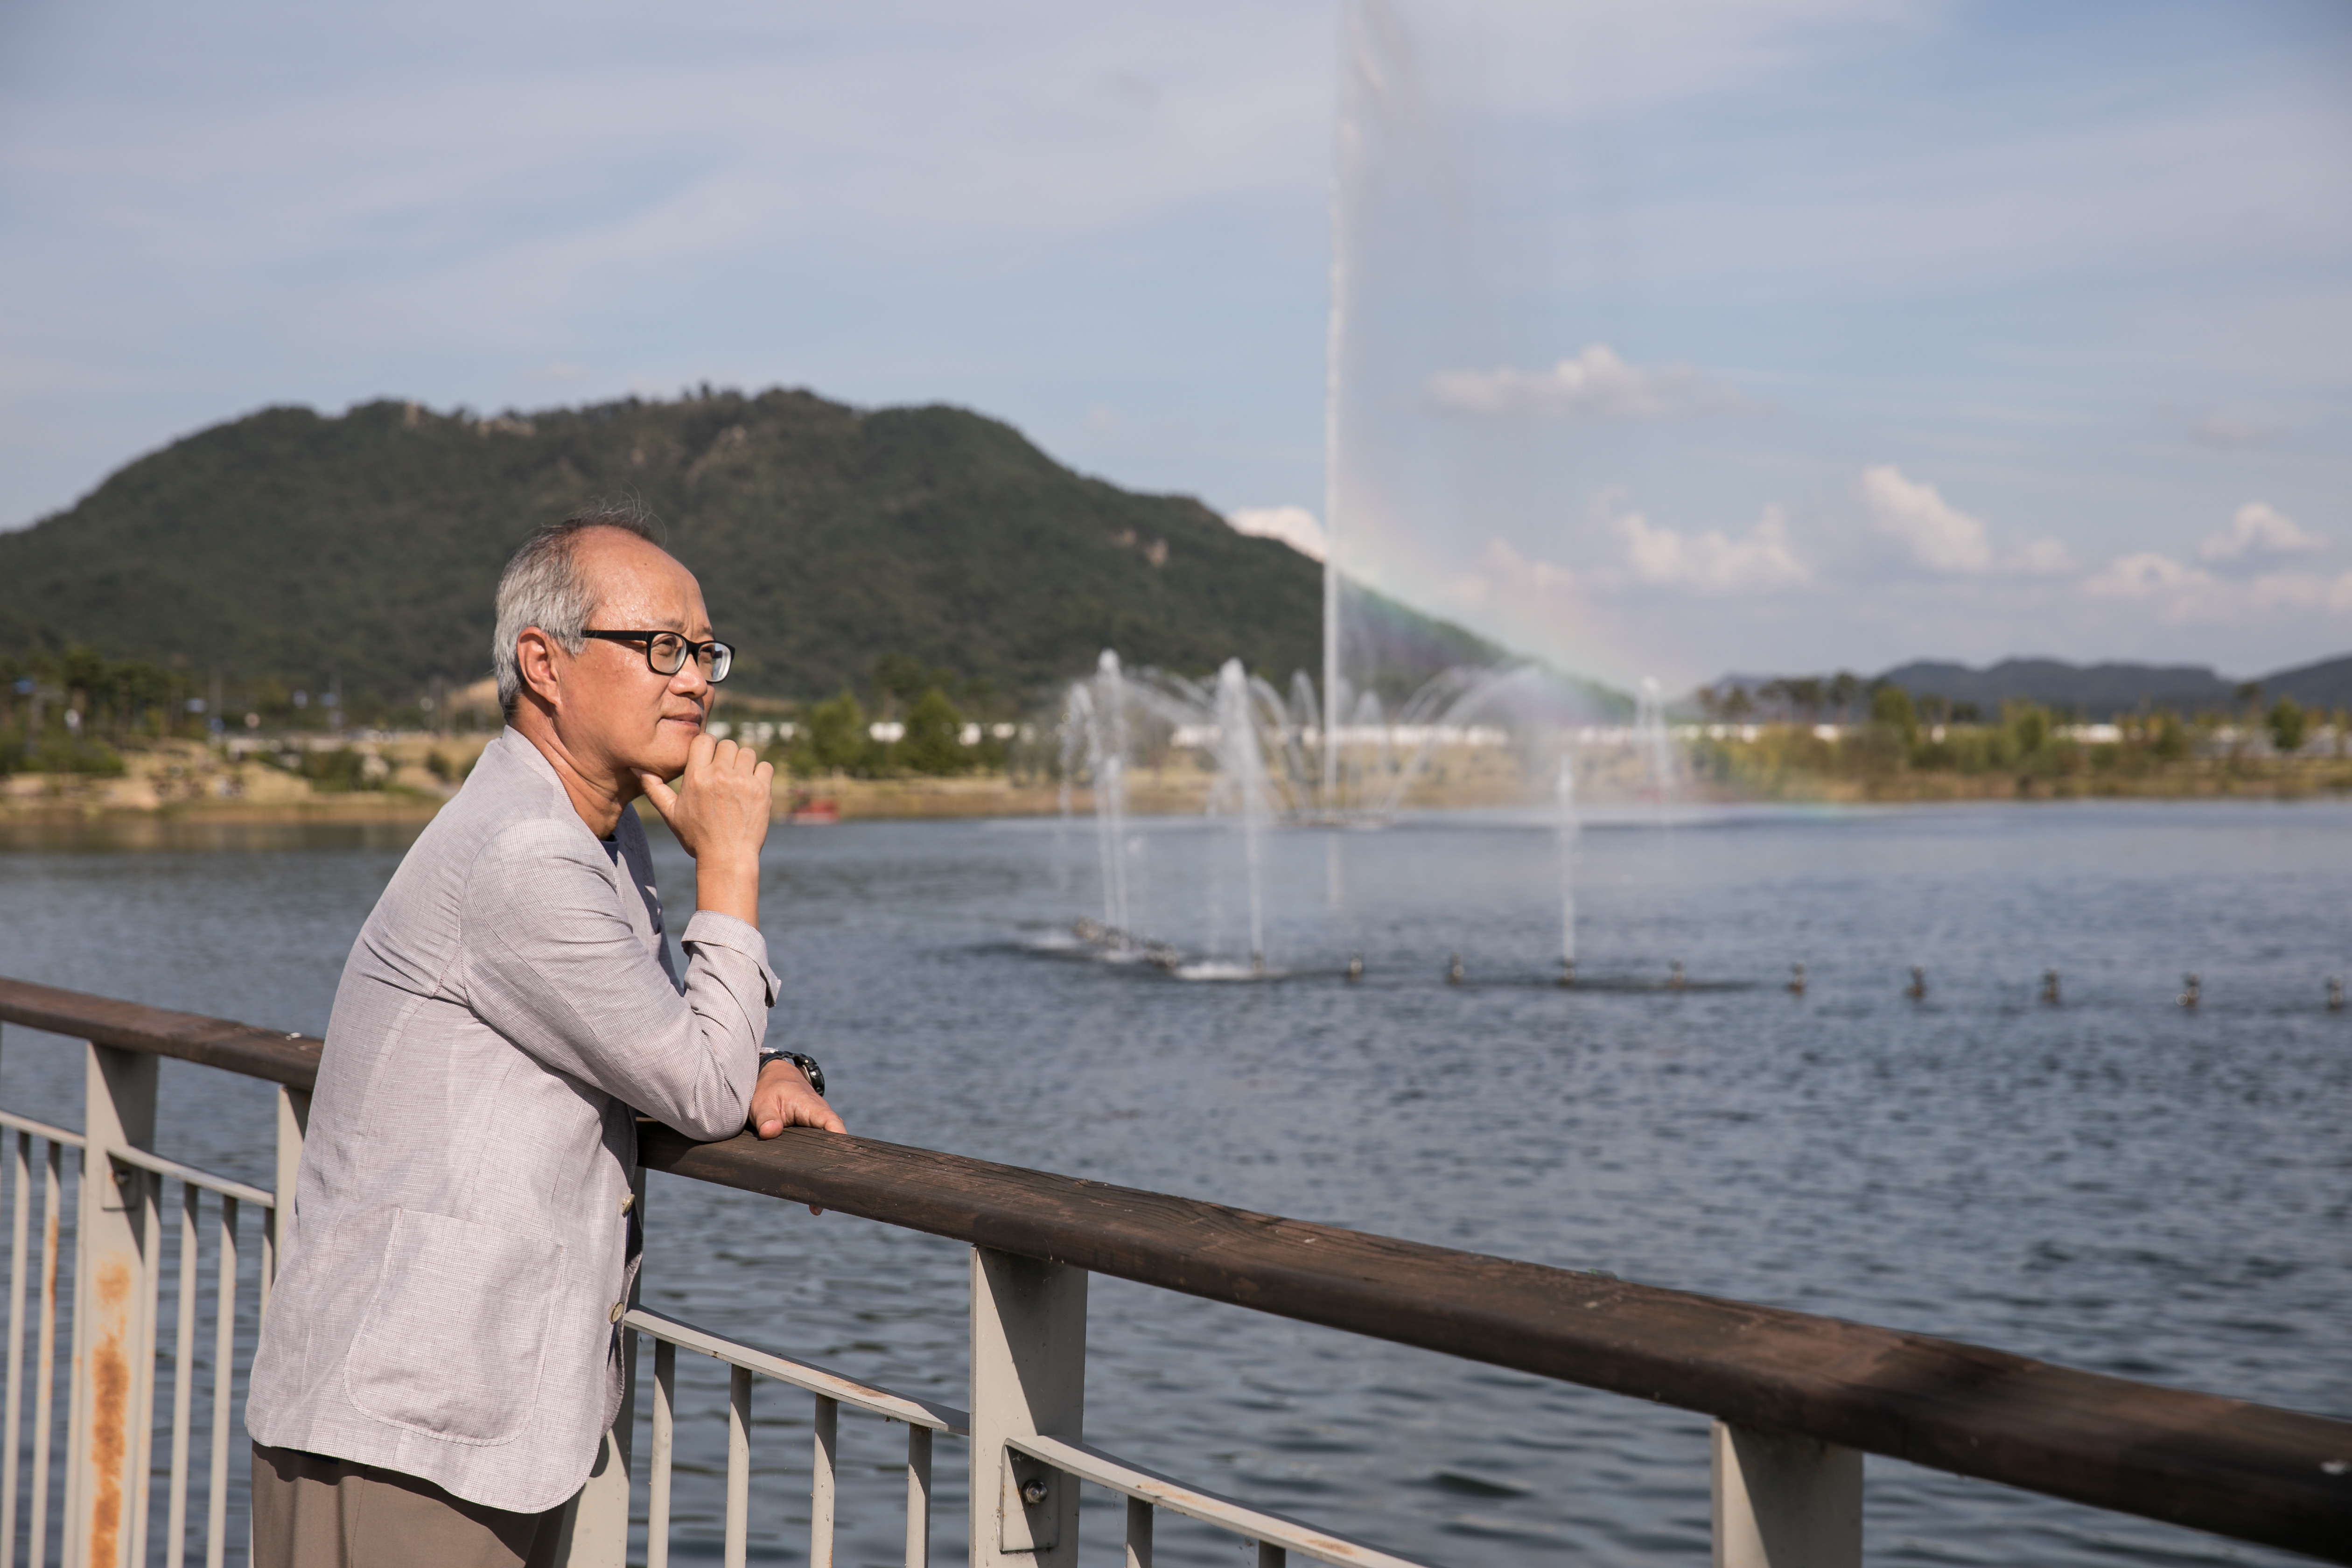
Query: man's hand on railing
[783,1098]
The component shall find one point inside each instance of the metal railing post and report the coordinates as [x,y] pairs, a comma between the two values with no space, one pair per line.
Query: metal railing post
[1784,1501]
[114,1346]
[293,1124]
[1028,1378]
[21,1191]
[919,1497]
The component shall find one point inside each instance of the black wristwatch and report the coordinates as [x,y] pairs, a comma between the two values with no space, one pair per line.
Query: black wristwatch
[807,1065]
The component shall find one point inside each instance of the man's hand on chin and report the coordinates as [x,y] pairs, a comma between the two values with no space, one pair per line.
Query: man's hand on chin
[718,812]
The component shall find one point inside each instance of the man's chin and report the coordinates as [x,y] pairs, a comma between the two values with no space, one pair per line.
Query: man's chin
[671,747]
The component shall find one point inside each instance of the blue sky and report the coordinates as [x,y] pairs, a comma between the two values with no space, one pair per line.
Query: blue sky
[1766,335]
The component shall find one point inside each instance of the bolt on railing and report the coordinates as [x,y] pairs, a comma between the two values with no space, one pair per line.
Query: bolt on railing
[1798,1400]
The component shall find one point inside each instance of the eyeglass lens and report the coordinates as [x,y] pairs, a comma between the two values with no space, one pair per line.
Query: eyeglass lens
[667,654]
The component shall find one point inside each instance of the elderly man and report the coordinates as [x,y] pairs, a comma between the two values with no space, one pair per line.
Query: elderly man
[442,1354]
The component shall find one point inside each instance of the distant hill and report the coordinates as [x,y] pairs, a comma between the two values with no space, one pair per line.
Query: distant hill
[2100,691]
[2327,684]
[287,544]
[2096,691]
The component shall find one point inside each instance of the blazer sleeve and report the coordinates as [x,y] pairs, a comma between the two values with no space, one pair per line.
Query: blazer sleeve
[552,965]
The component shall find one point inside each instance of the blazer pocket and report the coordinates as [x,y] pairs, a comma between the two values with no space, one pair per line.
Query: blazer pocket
[455,1333]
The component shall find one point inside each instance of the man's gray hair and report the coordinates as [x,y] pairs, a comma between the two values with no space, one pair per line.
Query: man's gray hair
[544,586]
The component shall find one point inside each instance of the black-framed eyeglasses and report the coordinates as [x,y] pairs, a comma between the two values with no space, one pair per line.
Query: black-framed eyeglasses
[666,652]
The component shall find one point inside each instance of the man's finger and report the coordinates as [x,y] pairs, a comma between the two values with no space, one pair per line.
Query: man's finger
[665,798]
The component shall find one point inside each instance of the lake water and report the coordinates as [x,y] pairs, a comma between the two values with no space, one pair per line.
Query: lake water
[2117,1183]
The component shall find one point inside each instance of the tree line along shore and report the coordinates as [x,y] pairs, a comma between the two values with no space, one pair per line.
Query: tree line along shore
[1928,749]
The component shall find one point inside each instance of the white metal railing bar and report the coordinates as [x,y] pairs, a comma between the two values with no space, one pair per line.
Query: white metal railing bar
[19,1239]
[657,1505]
[184,1356]
[143,1367]
[228,1187]
[44,1388]
[17,1123]
[919,1497]
[44,1356]
[664,1449]
[224,1385]
[817,1380]
[828,1423]
[739,1464]
[1270,1531]
[1139,1533]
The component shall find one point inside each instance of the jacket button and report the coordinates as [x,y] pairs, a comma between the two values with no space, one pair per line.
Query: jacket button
[628,1201]
[618,1308]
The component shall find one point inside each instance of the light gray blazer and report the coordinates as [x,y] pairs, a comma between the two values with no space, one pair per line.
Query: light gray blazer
[461,1244]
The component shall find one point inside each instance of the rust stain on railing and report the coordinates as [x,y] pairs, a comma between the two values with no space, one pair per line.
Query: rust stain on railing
[110,1412]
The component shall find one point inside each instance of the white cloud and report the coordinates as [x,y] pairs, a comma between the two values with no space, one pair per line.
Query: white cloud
[2039,558]
[2181,593]
[1294,525]
[1713,561]
[2257,529]
[2144,575]
[1594,384]
[1942,538]
[1938,536]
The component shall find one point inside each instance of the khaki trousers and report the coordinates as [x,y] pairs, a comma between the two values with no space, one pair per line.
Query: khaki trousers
[311,1511]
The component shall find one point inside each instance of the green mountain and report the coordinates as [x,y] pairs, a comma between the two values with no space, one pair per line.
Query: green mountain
[832,542]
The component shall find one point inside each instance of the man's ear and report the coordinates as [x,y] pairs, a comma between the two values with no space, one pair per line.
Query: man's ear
[535,661]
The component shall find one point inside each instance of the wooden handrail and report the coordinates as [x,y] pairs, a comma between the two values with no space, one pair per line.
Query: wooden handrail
[2249,1471]
[280,1057]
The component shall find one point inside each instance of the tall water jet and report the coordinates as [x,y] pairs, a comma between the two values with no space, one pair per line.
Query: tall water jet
[1101,714]
[1654,742]
[1242,782]
[1565,830]
[1077,715]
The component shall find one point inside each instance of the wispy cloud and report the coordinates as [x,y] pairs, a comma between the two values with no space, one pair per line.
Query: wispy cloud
[2257,530]
[2228,432]
[2181,593]
[1713,561]
[1294,525]
[1594,384]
